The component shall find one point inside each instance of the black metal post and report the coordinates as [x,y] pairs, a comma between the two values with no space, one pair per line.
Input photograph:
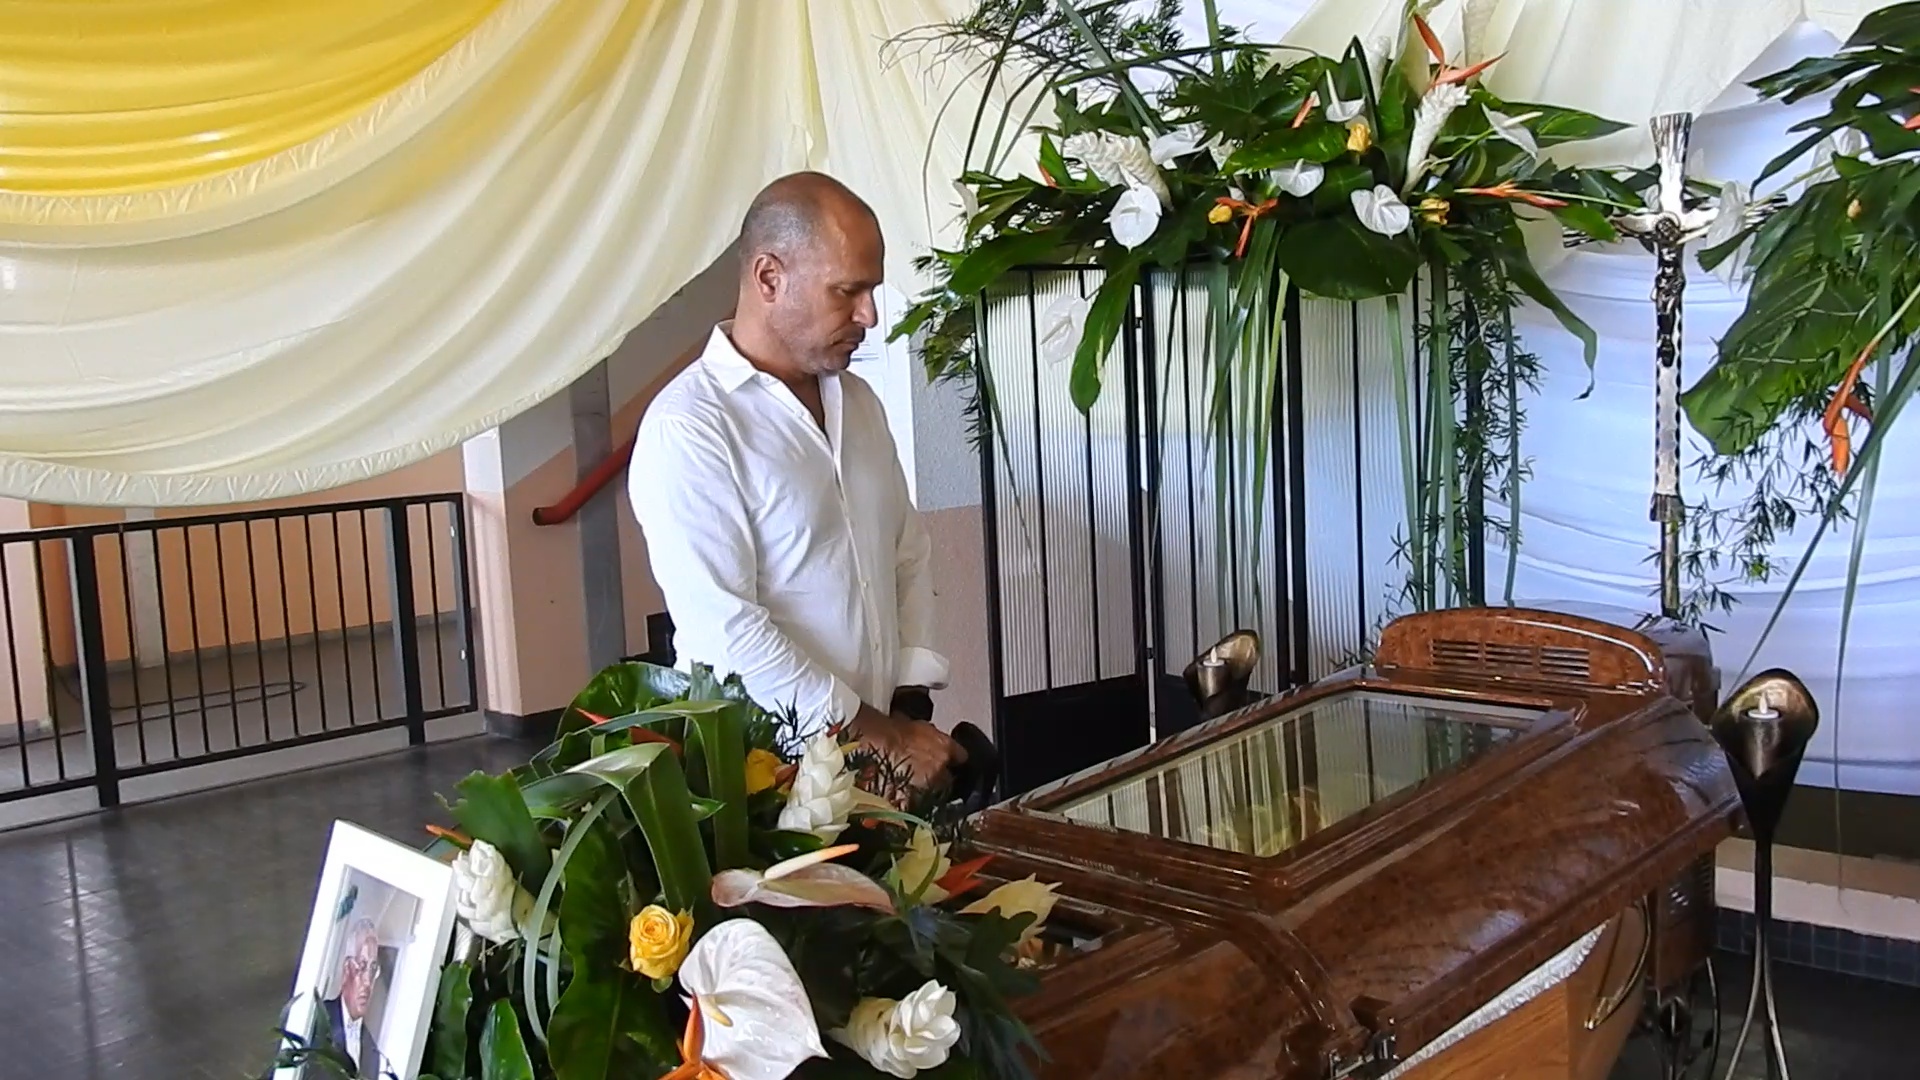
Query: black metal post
[1294,402]
[990,540]
[93,669]
[406,629]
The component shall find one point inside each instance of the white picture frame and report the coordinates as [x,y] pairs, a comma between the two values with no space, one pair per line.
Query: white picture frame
[383,918]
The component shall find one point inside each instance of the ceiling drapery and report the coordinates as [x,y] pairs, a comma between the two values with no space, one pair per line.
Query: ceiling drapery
[464,245]
[251,250]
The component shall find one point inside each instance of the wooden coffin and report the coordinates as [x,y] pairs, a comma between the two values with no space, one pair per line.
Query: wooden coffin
[1375,869]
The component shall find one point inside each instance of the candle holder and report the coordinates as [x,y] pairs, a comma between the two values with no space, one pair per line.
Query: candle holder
[1219,678]
[1764,728]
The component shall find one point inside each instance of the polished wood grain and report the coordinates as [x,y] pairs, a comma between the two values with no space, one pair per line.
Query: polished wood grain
[1394,923]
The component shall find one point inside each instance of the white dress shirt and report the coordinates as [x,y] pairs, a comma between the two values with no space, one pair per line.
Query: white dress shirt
[788,555]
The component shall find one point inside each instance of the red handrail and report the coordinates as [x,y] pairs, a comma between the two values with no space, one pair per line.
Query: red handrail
[611,466]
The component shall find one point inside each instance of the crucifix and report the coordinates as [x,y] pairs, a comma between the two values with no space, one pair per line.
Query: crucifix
[1671,221]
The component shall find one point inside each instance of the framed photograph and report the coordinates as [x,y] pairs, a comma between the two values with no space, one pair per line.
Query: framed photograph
[382,921]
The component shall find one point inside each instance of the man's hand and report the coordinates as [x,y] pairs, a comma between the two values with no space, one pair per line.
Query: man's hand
[924,749]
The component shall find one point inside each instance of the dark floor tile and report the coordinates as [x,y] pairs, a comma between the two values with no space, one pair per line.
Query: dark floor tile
[158,943]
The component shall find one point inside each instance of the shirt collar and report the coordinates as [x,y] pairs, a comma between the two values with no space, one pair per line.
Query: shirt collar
[724,362]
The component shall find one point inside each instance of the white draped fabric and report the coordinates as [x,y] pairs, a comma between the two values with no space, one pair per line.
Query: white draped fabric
[588,159]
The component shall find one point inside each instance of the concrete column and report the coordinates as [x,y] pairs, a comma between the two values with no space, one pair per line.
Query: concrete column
[598,523]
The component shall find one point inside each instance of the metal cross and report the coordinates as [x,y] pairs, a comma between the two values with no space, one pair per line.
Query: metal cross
[1672,220]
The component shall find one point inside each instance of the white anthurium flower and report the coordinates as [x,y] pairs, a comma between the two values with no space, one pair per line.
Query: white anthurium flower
[822,792]
[1060,329]
[923,863]
[756,1019]
[486,895]
[1300,178]
[1168,147]
[1338,110]
[1135,217]
[900,1038]
[1843,143]
[810,880]
[1429,119]
[1514,130]
[1727,222]
[1381,210]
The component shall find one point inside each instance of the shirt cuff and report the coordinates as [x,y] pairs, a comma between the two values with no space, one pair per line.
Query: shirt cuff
[921,667]
[843,704]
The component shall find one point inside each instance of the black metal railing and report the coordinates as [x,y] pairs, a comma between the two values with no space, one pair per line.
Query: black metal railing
[142,646]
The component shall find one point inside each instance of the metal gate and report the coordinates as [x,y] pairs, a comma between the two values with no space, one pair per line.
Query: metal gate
[1122,542]
[140,647]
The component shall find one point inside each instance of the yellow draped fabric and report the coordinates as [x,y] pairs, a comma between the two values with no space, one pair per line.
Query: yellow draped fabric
[105,97]
[465,247]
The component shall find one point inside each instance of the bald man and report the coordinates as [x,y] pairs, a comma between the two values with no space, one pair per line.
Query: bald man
[766,483]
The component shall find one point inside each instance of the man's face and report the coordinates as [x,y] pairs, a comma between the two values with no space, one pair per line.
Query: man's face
[359,971]
[822,304]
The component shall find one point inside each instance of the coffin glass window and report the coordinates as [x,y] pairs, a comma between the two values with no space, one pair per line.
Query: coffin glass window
[1263,790]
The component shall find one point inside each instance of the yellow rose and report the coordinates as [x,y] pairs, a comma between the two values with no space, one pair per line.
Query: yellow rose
[1019,898]
[658,940]
[762,767]
[1220,215]
[1434,209]
[1359,136]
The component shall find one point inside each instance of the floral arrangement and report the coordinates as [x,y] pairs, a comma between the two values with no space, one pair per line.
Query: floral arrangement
[1259,166]
[1348,175]
[681,886]
[1827,340]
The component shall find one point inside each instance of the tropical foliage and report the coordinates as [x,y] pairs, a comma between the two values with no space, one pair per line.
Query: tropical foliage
[680,886]
[1827,338]
[1255,166]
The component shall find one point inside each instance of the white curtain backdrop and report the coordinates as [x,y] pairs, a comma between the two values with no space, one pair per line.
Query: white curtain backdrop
[596,156]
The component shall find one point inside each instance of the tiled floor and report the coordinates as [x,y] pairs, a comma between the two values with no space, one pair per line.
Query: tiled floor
[159,943]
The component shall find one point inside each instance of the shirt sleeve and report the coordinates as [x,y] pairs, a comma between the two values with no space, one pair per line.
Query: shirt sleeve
[919,663]
[693,514]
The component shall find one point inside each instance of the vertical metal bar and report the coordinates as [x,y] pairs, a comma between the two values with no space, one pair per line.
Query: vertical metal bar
[433,584]
[406,640]
[286,619]
[1093,525]
[133,647]
[13,665]
[1359,482]
[226,629]
[259,639]
[990,541]
[346,642]
[1040,481]
[313,624]
[166,646]
[457,515]
[1296,482]
[1149,630]
[1186,440]
[199,661]
[93,667]
[373,646]
[46,652]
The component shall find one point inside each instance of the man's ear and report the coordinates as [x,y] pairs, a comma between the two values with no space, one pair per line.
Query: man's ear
[769,276]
